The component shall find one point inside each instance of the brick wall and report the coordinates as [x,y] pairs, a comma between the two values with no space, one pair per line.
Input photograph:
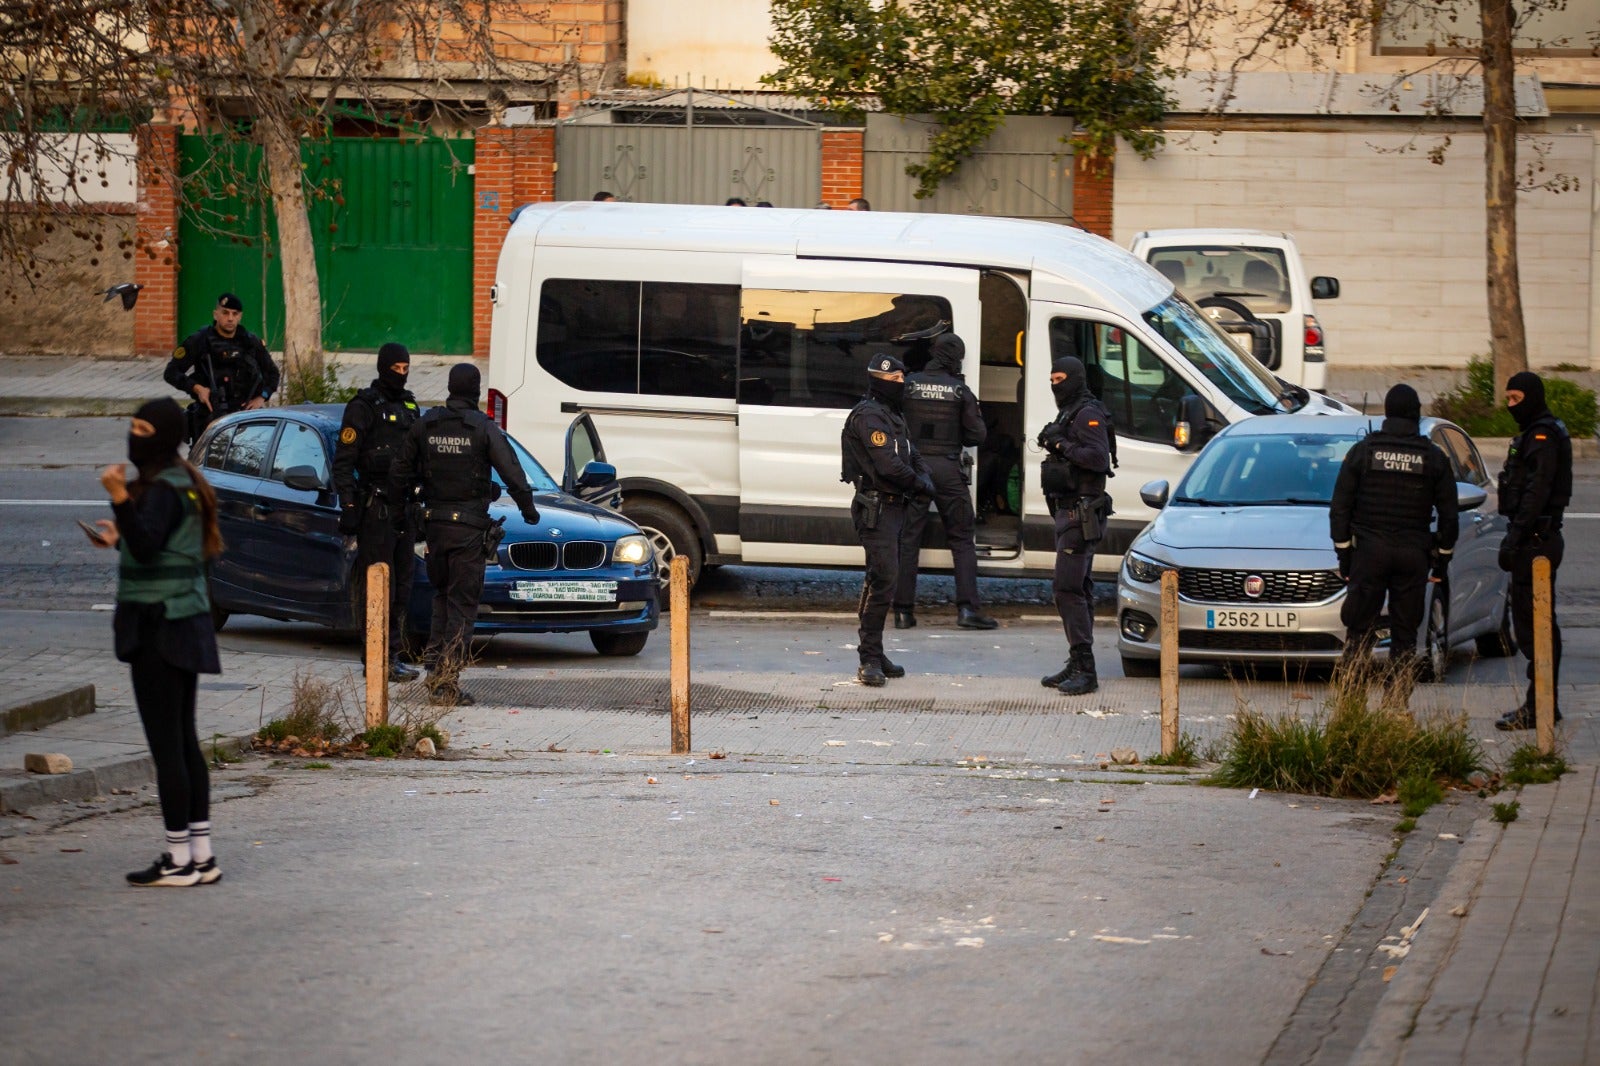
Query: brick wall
[1093,186]
[513,166]
[842,155]
[155,317]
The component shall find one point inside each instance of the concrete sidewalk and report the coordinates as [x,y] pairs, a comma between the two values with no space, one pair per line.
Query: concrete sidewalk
[1504,968]
[93,385]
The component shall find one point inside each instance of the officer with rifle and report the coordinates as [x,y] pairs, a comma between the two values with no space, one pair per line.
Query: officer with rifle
[376,421]
[883,465]
[222,368]
[450,451]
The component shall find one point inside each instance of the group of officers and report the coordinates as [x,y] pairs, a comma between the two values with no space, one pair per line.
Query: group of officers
[1393,518]
[400,473]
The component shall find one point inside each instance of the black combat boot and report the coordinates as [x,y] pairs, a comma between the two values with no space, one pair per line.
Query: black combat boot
[904,618]
[1084,681]
[870,674]
[891,670]
[969,617]
[1069,670]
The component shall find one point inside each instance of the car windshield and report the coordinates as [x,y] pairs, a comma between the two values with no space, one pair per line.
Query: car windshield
[1239,376]
[538,479]
[1254,470]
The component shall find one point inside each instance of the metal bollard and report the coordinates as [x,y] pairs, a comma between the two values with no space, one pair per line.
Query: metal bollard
[377,644]
[679,599]
[1544,688]
[1169,662]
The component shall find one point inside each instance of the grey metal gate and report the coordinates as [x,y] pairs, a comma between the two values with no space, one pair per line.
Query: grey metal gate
[690,152]
[1024,171]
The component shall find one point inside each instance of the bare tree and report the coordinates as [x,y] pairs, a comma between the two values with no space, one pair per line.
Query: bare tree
[273,72]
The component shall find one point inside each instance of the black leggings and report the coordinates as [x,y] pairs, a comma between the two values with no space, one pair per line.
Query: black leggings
[165,695]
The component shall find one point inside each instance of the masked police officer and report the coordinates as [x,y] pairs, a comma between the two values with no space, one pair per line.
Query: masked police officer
[375,424]
[1390,488]
[1073,478]
[1535,488]
[942,416]
[223,367]
[883,465]
[450,451]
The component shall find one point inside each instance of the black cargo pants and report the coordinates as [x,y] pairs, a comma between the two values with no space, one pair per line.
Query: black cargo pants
[882,544]
[953,493]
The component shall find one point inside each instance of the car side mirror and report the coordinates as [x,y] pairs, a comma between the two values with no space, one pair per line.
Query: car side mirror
[1191,429]
[1154,493]
[1324,288]
[1470,497]
[596,474]
[304,478]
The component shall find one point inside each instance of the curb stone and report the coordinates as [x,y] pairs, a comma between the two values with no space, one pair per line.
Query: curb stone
[86,782]
[34,712]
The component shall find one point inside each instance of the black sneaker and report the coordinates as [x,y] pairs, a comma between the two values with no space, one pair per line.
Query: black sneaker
[904,618]
[400,672]
[451,697]
[210,873]
[891,669]
[163,873]
[870,674]
[972,618]
[1521,718]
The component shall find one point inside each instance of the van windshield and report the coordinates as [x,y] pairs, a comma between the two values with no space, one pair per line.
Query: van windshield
[1238,376]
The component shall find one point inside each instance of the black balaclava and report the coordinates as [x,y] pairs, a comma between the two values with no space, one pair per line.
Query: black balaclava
[1402,403]
[390,354]
[1075,387]
[154,453]
[882,388]
[1531,386]
[465,382]
[946,353]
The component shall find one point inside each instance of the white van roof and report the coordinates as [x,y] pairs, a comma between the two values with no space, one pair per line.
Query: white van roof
[1090,269]
[1218,236]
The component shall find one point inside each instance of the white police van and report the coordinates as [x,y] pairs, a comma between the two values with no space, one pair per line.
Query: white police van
[718,350]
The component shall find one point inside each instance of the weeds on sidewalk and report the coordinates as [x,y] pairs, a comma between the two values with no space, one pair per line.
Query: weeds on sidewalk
[1351,748]
[1527,766]
[328,718]
[1506,813]
[1186,753]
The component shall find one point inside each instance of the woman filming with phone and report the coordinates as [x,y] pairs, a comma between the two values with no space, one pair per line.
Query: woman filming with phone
[165,531]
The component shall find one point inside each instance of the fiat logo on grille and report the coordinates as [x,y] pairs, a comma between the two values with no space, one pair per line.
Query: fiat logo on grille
[1254,585]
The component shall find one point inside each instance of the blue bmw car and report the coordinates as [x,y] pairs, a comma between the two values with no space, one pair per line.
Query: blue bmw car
[581,567]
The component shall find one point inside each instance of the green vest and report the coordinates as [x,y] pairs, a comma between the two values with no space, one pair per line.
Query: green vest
[177,576]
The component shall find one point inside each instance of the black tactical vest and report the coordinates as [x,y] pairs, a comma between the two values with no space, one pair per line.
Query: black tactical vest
[1514,478]
[391,419]
[455,458]
[932,408]
[230,369]
[1396,492]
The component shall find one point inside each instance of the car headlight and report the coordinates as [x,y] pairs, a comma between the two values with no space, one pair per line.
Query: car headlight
[632,549]
[1145,571]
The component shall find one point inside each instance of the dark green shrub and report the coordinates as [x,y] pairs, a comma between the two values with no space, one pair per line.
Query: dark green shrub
[1471,404]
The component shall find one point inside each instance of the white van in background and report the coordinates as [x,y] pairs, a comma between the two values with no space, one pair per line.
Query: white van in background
[718,351]
[1253,284]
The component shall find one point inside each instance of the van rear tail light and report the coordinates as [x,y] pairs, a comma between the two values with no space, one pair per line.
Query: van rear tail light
[497,405]
[1315,352]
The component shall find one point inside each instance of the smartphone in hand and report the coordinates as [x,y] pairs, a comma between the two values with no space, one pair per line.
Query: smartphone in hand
[93,533]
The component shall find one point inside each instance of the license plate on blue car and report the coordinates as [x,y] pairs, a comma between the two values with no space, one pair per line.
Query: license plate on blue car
[1274,621]
[569,591]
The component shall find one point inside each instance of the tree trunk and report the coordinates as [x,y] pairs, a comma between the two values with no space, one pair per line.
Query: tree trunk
[1508,337]
[302,299]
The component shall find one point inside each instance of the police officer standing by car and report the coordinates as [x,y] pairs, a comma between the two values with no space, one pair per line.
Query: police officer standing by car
[376,421]
[1535,488]
[1390,488]
[883,465]
[1073,477]
[942,416]
[223,367]
[450,451]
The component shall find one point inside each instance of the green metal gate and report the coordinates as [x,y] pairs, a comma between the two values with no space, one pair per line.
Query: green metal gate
[392,222]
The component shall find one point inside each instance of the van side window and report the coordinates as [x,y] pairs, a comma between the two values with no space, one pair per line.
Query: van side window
[640,338]
[805,348]
[1139,391]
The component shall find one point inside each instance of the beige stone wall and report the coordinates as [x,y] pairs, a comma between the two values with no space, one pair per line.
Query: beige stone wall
[1404,237]
[62,311]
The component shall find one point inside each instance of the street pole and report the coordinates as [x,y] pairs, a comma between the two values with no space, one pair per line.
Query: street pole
[1169,662]
[680,655]
[377,644]
[1544,689]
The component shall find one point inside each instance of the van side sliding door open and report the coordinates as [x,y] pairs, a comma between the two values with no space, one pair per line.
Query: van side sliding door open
[807,330]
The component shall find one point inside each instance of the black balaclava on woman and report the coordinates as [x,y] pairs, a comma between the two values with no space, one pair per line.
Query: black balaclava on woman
[159,450]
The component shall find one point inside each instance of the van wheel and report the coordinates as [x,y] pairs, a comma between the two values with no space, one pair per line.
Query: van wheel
[617,643]
[671,535]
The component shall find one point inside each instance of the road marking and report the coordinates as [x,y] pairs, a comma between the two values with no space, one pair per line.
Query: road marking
[54,503]
[1581,514]
[782,614]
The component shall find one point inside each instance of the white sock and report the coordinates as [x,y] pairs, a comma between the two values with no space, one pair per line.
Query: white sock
[178,847]
[200,841]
